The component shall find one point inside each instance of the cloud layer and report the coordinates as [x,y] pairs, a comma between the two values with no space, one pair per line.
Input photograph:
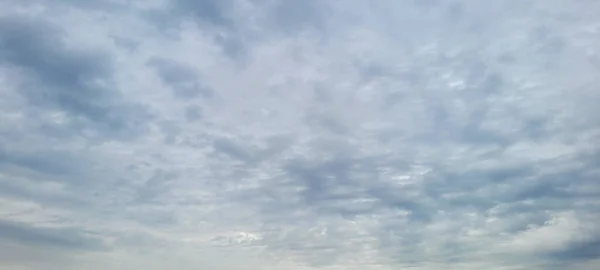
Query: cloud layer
[271,134]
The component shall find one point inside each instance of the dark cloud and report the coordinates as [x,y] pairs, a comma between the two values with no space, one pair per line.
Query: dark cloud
[327,122]
[295,16]
[44,162]
[216,18]
[37,47]
[68,239]
[99,5]
[249,153]
[183,79]
[155,186]
[210,11]
[585,250]
[193,113]
[287,16]
[124,42]
[12,188]
[234,150]
[77,81]
[231,32]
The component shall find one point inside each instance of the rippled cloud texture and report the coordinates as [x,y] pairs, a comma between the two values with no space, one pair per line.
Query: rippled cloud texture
[272,134]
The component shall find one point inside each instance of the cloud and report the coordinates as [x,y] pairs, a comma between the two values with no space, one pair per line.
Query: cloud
[50,237]
[76,81]
[580,251]
[181,78]
[298,134]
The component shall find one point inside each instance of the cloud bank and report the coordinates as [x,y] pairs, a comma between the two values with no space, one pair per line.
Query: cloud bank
[272,134]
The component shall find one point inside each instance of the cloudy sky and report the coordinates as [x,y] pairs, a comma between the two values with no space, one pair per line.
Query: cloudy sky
[313,134]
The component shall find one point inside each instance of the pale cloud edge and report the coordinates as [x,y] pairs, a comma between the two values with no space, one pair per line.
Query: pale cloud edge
[272,134]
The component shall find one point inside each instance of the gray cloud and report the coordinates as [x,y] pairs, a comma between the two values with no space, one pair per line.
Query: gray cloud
[193,113]
[210,11]
[68,239]
[586,250]
[183,80]
[303,134]
[295,16]
[77,81]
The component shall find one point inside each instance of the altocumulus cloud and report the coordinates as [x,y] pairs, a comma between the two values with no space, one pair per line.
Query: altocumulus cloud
[270,134]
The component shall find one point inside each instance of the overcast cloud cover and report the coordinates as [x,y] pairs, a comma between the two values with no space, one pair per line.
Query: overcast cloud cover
[272,134]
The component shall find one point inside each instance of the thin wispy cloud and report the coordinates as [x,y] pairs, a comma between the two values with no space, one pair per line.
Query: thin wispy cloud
[272,134]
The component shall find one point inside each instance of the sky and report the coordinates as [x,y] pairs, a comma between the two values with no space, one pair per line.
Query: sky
[281,134]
